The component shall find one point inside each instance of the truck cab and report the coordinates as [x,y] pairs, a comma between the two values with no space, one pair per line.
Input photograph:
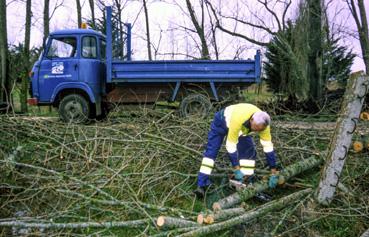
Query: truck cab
[71,68]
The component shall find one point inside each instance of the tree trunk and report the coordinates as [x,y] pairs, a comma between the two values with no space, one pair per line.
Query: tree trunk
[247,193]
[4,79]
[199,29]
[46,21]
[79,14]
[315,44]
[346,125]
[24,90]
[92,8]
[77,225]
[147,30]
[250,215]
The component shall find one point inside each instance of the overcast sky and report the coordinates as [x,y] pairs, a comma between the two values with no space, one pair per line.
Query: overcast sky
[164,21]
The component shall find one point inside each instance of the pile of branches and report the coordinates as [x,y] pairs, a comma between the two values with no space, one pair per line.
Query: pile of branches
[123,174]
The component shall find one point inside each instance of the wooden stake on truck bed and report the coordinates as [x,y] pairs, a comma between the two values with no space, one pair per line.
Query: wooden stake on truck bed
[340,144]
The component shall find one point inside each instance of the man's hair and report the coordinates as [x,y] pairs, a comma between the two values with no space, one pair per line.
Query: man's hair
[261,117]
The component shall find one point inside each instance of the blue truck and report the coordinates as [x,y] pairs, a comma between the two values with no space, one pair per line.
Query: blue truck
[77,74]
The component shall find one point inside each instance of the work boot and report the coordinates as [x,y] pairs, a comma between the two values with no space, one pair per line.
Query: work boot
[200,192]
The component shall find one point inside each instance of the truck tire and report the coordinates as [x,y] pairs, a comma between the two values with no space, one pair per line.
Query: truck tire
[74,108]
[195,105]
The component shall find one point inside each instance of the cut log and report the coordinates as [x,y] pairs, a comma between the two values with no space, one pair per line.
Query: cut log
[249,192]
[220,216]
[250,215]
[166,222]
[340,143]
[364,116]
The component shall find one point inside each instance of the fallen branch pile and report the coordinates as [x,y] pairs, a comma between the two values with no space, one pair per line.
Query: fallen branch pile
[131,175]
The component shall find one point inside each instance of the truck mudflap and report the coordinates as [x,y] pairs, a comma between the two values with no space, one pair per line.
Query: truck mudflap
[32,101]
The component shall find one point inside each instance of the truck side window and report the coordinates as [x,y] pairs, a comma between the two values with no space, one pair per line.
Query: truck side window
[89,47]
[102,49]
[65,47]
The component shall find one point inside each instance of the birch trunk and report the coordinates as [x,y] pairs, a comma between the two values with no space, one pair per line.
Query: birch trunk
[341,141]
[76,225]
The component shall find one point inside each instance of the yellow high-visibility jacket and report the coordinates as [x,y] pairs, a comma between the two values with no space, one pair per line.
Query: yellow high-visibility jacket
[237,117]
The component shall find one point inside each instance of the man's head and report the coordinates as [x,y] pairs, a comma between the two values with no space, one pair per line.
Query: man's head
[259,121]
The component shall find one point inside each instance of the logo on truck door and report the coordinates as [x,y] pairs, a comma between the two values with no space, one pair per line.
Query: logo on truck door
[57,68]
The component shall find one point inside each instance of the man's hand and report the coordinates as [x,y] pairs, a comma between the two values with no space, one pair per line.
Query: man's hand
[273,181]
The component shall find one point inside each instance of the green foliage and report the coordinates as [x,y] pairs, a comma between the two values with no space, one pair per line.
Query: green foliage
[338,61]
[287,69]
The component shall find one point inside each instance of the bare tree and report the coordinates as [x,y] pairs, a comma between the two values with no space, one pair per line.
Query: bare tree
[259,24]
[213,32]
[4,83]
[46,20]
[92,8]
[27,36]
[120,5]
[199,27]
[362,26]
[147,30]
[79,13]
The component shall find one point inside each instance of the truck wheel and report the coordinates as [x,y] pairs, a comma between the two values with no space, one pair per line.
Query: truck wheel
[195,105]
[74,108]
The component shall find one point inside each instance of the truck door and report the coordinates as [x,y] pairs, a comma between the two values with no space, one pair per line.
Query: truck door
[60,64]
[91,64]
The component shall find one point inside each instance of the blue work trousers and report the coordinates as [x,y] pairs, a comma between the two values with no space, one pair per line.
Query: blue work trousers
[218,130]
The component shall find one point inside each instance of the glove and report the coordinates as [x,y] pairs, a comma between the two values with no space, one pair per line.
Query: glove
[238,175]
[273,181]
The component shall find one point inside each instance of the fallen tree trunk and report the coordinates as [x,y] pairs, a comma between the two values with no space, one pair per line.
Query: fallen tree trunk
[247,193]
[166,222]
[219,216]
[250,215]
[340,143]
[77,225]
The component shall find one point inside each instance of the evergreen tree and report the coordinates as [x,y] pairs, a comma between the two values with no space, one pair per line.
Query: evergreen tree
[287,71]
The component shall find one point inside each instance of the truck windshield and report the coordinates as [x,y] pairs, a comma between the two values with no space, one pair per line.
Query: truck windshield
[65,47]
